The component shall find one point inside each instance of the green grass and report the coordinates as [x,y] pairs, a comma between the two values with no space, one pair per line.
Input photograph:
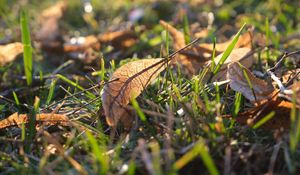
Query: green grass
[179,128]
[27,53]
[228,50]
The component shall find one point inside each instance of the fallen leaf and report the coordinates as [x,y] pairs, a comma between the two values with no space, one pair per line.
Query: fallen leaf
[127,83]
[194,58]
[244,41]
[55,11]
[47,119]
[288,75]
[82,43]
[9,52]
[49,34]
[192,66]
[281,119]
[238,76]
[121,39]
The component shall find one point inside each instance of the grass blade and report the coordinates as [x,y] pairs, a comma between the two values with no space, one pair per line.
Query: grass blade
[228,51]
[186,29]
[207,160]
[198,149]
[51,91]
[27,53]
[138,110]
[264,120]
[76,85]
[16,99]
[98,154]
[237,104]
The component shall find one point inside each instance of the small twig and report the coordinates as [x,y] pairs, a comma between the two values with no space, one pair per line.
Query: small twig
[273,76]
[285,55]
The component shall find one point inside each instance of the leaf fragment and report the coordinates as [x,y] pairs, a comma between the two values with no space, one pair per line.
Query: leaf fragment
[127,82]
[9,52]
[120,39]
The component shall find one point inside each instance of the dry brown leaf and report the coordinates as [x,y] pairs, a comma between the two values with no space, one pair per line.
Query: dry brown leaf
[288,75]
[201,34]
[9,52]
[127,83]
[55,11]
[281,119]
[48,119]
[49,34]
[238,82]
[119,39]
[193,59]
[90,41]
[243,41]
[192,66]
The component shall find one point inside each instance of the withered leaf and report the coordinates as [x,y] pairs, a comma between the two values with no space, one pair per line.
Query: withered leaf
[194,58]
[90,41]
[190,65]
[49,34]
[45,118]
[9,52]
[260,91]
[55,11]
[119,39]
[243,41]
[127,83]
[281,119]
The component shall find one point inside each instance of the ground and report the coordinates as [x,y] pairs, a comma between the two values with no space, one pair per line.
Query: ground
[63,54]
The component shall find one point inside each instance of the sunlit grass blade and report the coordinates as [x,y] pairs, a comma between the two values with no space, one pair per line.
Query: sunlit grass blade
[16,98]
[207,160]
[264,120]
[237,104]
[248,80]
[228,50]
[98,154]
[198,149]
[27,53]
[51,91]
[142,116]
[213,64]
[138,110]
[218,97]
[295,126]
[131,168]
[76,85]
[186,29]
